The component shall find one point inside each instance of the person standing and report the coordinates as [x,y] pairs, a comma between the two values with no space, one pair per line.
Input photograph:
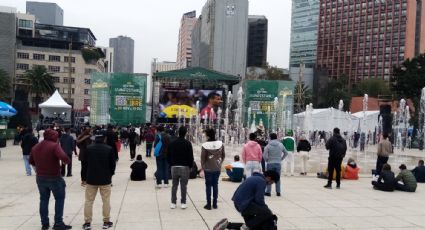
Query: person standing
[68,146]
[385,148]
[273,155]
[212,157]
[100,169]
[252,155]
[46,157]
[149,138]
[111,140]
[180,158]
[289,143]
[162,140]
[28,142]
[83,141]
[132,139]
[337,148]
[303,148]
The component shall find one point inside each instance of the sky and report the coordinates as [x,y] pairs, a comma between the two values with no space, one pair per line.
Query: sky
[154,24]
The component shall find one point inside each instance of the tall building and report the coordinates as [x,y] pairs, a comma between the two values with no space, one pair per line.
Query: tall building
[46,12]
[184,50]
[220,37]
[48,45]
[8,40]
[163,66]
[123,54]
[109,59]
[304,23]
[364,39]
[257,41]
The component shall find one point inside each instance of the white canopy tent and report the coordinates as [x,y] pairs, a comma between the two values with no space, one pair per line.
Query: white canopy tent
[56,107]
[370,121]
[326,120]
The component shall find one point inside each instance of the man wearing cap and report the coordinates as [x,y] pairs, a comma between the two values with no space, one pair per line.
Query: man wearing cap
[408,179]
[100,169]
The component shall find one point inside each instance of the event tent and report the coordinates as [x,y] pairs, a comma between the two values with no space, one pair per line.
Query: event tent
[370,121]
[326,120]
[55,107]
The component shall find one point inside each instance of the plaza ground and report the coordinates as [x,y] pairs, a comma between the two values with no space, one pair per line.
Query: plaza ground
[305,204]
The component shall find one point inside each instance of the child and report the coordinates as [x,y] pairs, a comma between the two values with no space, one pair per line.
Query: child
[138,169]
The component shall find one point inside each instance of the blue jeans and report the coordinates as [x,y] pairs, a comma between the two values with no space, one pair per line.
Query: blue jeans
[56,185]
[148,148]
[211,182]
[161,170]
[274,167]
[27,164]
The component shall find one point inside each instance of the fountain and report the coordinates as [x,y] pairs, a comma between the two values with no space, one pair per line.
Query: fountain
[197,123]
[274,115]
[239,121]
[421,128]
[226,118]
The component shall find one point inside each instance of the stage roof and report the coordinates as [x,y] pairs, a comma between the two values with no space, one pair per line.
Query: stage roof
[197,74]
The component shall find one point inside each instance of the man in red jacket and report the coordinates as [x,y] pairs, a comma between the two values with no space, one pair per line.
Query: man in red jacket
[46,157]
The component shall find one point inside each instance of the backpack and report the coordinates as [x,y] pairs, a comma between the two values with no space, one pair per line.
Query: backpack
[149,137]
[340,148]
[158,147]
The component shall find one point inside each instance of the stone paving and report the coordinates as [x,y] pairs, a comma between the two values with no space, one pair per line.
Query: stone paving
[305,204]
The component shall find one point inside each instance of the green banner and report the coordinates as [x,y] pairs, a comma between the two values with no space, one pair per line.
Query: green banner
[99,99]
[259,95]
[128,99]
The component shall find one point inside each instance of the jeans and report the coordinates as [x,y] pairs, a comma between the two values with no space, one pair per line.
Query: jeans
[55,185]
[277,168]
[161,170]
[132,150]
[180,174]
[68,167]
[251,167]
[27,164]
[105,194]
[380,163]
[334,164]
[148,149]
[211,182]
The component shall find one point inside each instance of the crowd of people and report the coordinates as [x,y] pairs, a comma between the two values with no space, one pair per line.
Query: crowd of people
[259,165]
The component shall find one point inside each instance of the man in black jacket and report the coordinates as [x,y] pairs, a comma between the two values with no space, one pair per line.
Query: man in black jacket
[180,158]
[337,148]
[100,169]
[111,139]
[28,141]
[68,146]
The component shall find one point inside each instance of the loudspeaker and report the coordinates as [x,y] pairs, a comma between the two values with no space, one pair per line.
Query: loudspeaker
[385,113]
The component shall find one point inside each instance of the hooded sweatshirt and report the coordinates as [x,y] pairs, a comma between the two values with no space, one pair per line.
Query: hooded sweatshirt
[212,156]
[46,155]
[251,152]
[273,152]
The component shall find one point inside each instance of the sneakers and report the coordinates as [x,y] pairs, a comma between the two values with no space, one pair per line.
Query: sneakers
[107,225]
[86,226]
[278,194]
[61,226]
[158,186]
[267,194]
[215,206]
[207,207]
[338,186]
[221,225]
[165,185]
[328,186]
[183,206]
[45,226]
[173,206]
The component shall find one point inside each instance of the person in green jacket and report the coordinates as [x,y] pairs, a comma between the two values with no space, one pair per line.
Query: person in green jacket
[408,179]
[289,144]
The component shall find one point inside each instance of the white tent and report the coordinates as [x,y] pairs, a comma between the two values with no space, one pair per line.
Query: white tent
[370,121]
[56,107]
[326,120]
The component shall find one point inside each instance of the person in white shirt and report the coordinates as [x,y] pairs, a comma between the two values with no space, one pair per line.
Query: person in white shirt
[235,170]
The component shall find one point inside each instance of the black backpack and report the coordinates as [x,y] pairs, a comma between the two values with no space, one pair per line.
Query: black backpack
[340,148]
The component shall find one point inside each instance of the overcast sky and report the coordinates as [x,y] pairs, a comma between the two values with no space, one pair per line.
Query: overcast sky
[154,24]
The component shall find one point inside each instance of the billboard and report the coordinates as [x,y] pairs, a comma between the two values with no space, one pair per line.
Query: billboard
[173,99]
[118,99]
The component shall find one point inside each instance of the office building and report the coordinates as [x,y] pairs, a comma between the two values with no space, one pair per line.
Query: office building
[257,41]
[162,66]
[365,39]
[220,37]
[8,40]
[46,12]
[123,54]
[48,45]
[109,59]
[304,23]
[184,50]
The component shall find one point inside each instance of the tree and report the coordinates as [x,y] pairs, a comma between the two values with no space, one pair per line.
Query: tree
[408,79]
[4,85]
[274,73]
[372,87]
[337,90]
[302,96]
[40,83]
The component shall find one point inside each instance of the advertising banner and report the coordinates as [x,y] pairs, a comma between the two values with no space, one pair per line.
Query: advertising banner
[174,101]
[100,99]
